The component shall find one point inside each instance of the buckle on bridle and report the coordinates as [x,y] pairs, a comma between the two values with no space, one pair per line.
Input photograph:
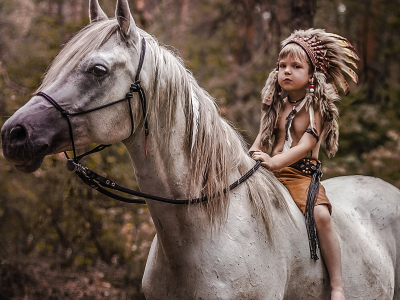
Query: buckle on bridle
[73,165]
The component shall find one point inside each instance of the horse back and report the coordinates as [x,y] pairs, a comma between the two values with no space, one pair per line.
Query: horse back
[366,218]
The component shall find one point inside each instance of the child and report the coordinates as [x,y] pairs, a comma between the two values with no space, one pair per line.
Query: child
[298,110]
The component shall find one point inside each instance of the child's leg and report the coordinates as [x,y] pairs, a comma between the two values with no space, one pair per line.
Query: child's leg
[330,250]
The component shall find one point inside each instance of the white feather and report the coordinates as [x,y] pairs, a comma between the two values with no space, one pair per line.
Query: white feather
[195,108]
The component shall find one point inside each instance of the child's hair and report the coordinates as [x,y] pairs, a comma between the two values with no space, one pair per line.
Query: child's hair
[328,56]
[296,52]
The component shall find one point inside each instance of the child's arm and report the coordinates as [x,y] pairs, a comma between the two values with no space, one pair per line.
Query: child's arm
[306,144]
[257,144]
[301,150]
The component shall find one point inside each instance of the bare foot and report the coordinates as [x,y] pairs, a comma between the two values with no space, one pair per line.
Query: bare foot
[337,294]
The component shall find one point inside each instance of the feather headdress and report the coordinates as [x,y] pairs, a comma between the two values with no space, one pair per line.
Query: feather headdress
[332,58]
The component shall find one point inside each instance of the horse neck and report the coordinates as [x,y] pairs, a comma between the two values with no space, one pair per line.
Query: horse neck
[165,172]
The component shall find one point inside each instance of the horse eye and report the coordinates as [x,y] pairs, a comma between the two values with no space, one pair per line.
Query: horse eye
[98,70]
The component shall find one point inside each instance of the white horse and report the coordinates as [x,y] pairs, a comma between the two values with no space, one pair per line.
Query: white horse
[250,243]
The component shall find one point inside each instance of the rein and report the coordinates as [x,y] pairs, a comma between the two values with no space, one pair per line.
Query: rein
[100,183]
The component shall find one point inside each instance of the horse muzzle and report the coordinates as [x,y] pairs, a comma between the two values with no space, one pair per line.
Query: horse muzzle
[29,135]
[19,148]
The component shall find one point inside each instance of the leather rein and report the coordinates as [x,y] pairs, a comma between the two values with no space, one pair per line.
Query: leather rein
[101,183]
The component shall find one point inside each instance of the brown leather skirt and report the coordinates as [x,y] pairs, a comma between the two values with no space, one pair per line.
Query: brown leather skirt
[297,183]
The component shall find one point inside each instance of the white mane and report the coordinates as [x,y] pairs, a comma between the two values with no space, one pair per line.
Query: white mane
[216,150]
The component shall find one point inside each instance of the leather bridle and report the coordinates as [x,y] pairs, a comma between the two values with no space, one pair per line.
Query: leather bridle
[100,183]
[135,87]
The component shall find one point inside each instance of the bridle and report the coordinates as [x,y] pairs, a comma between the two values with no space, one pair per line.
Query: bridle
[135,87]
[101,183]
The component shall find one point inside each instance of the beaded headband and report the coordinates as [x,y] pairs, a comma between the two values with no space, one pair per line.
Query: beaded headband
[313,51]
[329,53]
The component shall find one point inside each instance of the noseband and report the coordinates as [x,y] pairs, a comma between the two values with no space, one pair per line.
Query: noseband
[100,183]
[135,87]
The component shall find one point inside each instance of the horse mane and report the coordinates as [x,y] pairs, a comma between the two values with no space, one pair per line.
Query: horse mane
[216,149]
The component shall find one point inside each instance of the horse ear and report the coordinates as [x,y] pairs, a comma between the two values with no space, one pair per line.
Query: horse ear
[125,19]
[95,12]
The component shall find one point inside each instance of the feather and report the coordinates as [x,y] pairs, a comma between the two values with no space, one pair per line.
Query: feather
[336,36]
[335,89]
[351,73]
[343,85]
[350,62]
[342,41]
[339,37]
[351,53]
[345,44]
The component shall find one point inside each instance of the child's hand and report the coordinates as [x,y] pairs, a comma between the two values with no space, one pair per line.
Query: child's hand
[267,161]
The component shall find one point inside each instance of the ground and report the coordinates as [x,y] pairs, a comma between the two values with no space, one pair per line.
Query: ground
[27,277]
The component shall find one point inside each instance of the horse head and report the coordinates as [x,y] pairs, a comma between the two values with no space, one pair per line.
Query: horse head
[94,69]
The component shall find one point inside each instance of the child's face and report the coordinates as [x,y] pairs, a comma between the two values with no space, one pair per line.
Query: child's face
[294,75]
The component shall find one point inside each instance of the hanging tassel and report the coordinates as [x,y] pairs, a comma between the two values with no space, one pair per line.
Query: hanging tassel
[288,125]
[313,191]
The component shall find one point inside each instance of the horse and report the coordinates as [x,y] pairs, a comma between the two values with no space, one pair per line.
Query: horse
[248,243]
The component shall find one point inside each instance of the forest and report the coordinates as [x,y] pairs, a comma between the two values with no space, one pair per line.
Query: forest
[62,240]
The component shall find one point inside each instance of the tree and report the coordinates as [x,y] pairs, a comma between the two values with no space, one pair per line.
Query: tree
[302,14]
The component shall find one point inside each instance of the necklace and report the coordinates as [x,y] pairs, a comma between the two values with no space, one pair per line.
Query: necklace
[297,101]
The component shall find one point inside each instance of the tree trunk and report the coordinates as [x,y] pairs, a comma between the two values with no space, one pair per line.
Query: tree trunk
[302,14]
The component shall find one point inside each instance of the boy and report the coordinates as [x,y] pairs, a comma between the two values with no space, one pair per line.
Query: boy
[309,66]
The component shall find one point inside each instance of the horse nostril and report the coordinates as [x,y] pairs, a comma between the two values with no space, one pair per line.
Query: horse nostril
[18,134]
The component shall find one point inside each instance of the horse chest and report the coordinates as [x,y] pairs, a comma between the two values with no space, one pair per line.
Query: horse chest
[225,266]
[224,276]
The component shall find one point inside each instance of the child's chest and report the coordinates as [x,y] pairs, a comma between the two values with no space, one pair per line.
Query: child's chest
[300,123]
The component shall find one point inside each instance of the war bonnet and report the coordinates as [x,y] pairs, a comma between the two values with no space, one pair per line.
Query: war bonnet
[332,58]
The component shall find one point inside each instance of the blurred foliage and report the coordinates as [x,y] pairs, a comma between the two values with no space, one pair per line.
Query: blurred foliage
[230,46]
